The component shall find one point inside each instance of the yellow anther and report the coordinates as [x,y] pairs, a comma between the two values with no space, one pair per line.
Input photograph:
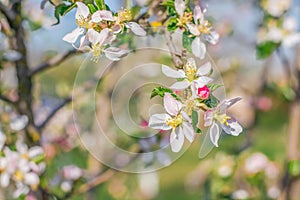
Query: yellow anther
[175,122]
[84,22]
[19,175]
[186,18]
[124,15]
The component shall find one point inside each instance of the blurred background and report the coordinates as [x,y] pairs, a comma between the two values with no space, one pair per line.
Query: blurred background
[262,163]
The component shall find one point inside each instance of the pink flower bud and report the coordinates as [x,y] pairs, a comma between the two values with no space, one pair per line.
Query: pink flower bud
[203,92]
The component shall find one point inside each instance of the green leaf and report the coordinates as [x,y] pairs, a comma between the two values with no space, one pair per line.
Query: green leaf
[169,3]
[34,25]
[100,4]
[265,49]
[211,102]
[187,41]
[172,24]
[294,167]
[160,91]
[61,10]
[92,8]
[214,87]
[195,121]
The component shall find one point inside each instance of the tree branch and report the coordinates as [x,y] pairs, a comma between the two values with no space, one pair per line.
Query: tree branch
[54,111]
[5,99]
[95,182]
[56,60]
[9,15]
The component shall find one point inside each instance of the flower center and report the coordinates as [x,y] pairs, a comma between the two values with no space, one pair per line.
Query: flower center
[175,122]
[205,27]
[190,72]
[97,51]
[83,22]
[222,118]
[124,15]
[19,175]
[186,18]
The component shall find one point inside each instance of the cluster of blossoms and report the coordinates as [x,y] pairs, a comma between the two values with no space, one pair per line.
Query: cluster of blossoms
[183,101]
[277,27]
[21,166]
[194,25]
[245,176]
[98,29]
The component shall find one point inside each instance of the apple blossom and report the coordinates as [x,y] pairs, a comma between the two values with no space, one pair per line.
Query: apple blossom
[189,74]
[175,120]
[217,116]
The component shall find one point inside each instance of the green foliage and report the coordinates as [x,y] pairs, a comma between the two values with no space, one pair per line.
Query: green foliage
[100,4]
[214,87]
[211,102]
[265,49]
[61,10]
[161,92]
[92,8]
[195,122]
[168,3]
[187,41]
[172,24]
[294,167]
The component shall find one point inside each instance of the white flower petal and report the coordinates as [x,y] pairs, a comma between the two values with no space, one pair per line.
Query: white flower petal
[204,69]
[114,53]
[100,15]
[234,128]
[208,118]
[198,48]
[181,85]
[193,29]
[213,37]
[180,7]
[227,103]
[35,151]
[198,14]
[171,105]
[202,81]
[82,10]
[172,73]
[31,179]
[188,131]
[136,28]
[73,36]
[214,133]
[95,37]
[158,122]
[4,180]
[177,139]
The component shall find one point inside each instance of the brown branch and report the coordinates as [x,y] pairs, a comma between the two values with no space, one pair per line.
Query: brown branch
[7,100]
[52,114]
[95,182]
[53,62]
[8,13]
[176,58]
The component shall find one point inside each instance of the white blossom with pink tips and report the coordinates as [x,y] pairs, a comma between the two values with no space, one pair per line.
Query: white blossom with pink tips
[217,119]
[190,75]
[176,120]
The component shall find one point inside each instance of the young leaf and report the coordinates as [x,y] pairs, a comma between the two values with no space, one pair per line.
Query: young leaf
[172,24]
[214,87]
[211,102]
[61,10]
[265,49]
[92,8]
[187,41]
[160,91]
[100,4]
[195,122]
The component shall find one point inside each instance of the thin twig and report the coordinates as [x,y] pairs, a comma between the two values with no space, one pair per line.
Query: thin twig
[176,58]
[95,182]
[7,100]
[55,61]
[54,111]
[9,15]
